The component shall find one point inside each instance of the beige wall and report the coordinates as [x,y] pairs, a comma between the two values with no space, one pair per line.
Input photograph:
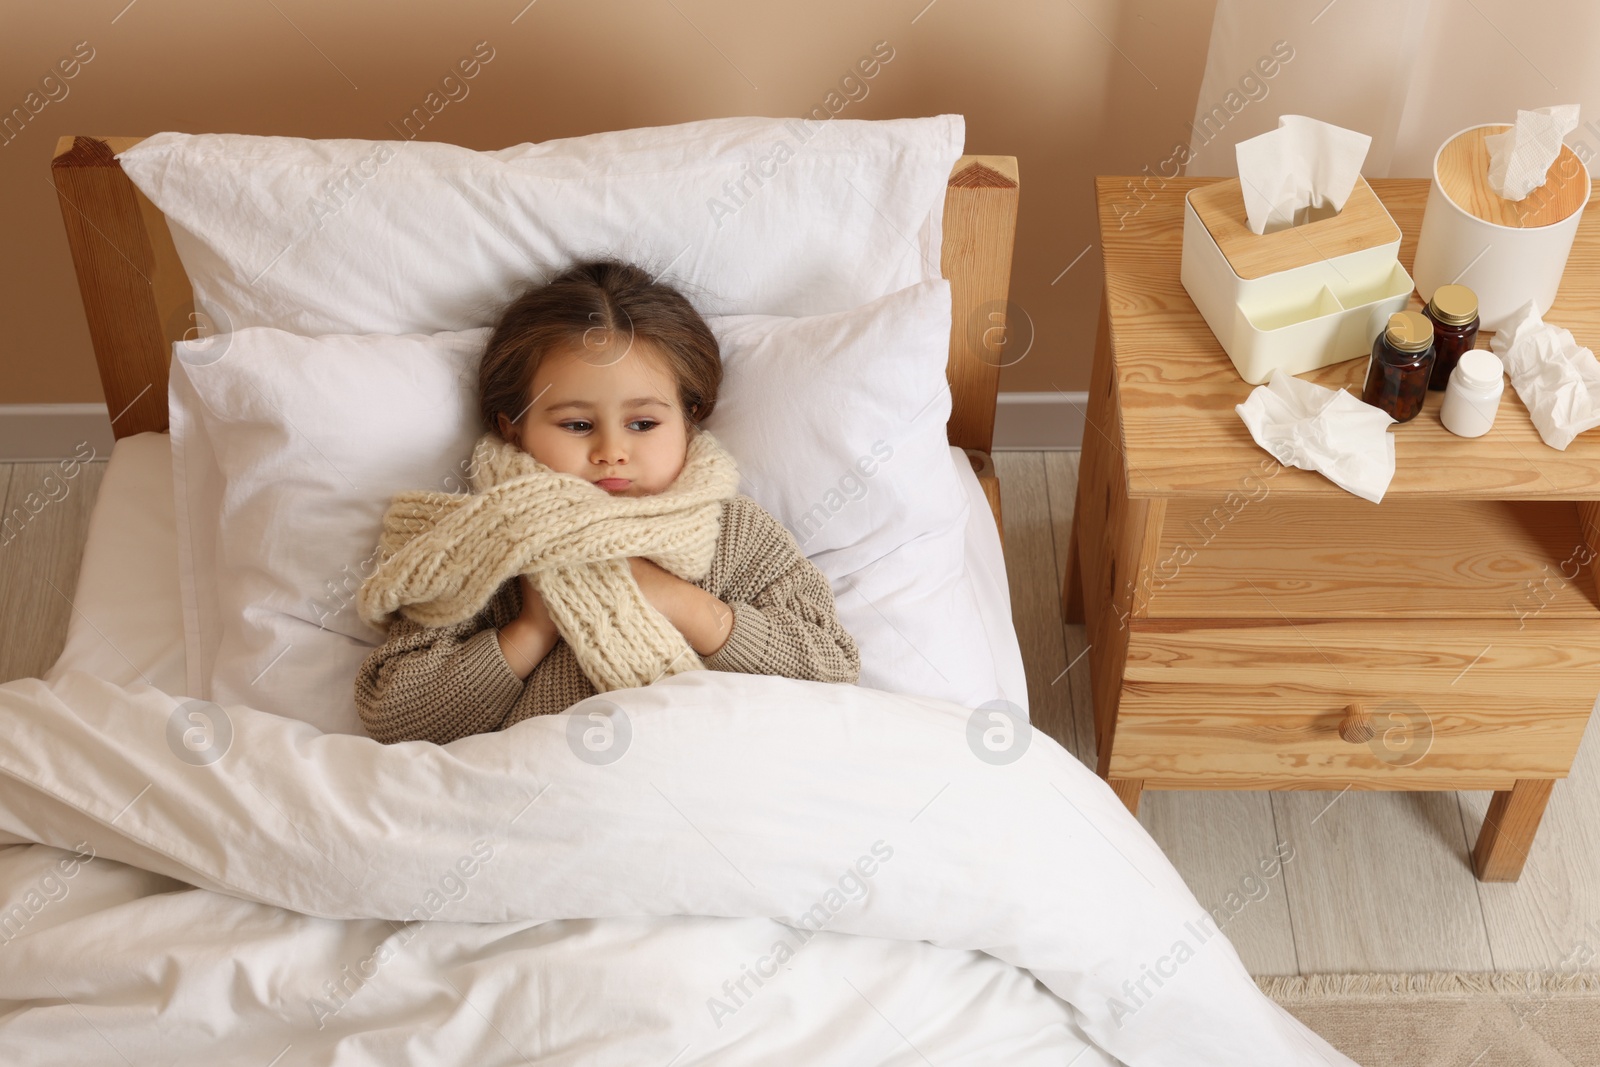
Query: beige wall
[1072,90]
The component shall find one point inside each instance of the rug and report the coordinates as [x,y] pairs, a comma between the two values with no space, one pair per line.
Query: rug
[1450,1019]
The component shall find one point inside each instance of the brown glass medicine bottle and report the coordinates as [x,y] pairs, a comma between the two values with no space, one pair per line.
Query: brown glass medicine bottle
[1453,309]
[1402,360]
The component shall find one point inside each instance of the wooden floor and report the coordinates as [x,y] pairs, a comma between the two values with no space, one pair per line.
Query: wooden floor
[1371,881]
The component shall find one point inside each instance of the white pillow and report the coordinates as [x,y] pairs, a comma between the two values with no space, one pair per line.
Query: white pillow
[287,449]
[285,452]
[748,215]
[838,423]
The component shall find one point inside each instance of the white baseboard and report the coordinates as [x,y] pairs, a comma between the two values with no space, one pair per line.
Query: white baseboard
[1039,422]
[35,433]
[32,433]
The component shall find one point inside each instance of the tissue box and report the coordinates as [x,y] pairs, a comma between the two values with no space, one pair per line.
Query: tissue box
[1298,298]
[1506,251]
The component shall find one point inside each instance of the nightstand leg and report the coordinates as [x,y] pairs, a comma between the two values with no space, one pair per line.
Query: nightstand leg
[1508,829]
[1072,590]
[1128,791]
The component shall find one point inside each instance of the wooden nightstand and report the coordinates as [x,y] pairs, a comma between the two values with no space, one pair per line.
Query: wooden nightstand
[1250,624]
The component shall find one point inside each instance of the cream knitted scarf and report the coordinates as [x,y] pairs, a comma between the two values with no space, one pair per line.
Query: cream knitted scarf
[445,554]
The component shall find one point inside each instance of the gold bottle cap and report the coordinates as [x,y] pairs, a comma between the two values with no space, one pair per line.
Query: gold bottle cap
[1454,304]
[1409,331]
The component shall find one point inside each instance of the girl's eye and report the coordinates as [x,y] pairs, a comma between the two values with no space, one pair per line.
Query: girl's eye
[582,425]
[646,423]
[575,422]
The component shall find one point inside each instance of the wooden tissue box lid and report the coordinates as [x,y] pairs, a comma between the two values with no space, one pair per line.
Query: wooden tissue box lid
[1462,167]
[1362,223]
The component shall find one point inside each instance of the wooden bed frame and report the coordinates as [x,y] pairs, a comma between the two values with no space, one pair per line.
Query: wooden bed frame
[139,301]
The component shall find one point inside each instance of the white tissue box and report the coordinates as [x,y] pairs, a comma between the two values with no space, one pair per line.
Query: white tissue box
[1298,298]
[1506,251]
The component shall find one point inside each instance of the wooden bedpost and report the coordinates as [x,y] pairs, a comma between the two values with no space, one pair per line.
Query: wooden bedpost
[136,295]
[980,223]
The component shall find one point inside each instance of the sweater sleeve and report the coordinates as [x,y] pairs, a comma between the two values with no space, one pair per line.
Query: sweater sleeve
[439,683]
[784,619]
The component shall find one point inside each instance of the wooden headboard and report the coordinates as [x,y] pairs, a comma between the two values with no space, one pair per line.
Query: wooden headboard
[138,299]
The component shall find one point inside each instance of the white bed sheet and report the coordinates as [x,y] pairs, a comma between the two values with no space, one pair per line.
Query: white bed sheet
[127,627]
[127,622]
[157,907]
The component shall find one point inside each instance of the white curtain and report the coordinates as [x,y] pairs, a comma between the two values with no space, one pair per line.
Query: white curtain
[1409,73]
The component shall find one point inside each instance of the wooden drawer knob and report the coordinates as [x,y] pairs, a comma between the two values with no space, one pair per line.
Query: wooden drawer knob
[1356,727]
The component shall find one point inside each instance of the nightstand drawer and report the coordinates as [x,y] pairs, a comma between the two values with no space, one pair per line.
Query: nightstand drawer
[1273,556]
[1455,704]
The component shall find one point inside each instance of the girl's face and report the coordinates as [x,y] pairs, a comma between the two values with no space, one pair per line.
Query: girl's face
[612,420]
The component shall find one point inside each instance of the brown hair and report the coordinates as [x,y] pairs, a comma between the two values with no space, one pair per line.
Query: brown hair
[623,300]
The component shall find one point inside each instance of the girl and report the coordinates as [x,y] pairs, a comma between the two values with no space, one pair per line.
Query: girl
[592,387]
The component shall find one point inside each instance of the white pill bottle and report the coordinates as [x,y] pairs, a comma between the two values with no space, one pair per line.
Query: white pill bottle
[1472,395]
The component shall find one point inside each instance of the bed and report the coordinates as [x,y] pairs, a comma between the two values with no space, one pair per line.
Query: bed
[776,870]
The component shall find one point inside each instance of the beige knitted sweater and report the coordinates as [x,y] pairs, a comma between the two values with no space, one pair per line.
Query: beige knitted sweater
[440,683]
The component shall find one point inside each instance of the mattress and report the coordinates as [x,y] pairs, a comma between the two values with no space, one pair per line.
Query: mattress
[128,622]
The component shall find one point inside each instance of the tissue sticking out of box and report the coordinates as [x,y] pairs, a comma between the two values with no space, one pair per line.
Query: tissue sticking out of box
[1557,378]
[1328,430]
[1520,158]
[1298,173]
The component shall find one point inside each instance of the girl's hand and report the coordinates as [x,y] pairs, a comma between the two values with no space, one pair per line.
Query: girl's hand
[703,619]
[533,609]
[528,638]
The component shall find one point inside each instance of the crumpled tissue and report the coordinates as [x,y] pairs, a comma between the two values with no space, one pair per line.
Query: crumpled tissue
[1300,172]
[1557,378]
[1520,158]
[1327,430]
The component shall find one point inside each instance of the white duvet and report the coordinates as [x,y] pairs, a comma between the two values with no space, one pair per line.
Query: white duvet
[773,871]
